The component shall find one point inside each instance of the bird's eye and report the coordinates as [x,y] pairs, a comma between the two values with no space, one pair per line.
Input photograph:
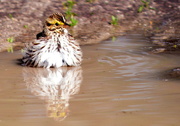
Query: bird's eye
[56,24]
[48,24]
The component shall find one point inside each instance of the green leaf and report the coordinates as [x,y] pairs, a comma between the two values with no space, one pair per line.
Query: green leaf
[143,1]
[73,21]
[113,18]
[10,39]
[69,4]
[146,4]
[25,26]
[10,16]
[140,9]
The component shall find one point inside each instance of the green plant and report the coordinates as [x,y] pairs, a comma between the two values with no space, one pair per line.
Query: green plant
[145,4]
[73,21]
[10,16]
[25,26]
[69,4]
[114,20]
[10,39]
[69,14]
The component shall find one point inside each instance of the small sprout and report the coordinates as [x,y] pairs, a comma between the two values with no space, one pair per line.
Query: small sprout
[69,4]
[10,16]
[145,4]
[114,20]
[73,21]
[25,26]
[10,39]
[69,14]
[140,9]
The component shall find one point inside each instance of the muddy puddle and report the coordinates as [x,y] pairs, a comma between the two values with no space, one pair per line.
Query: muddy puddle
[117,85]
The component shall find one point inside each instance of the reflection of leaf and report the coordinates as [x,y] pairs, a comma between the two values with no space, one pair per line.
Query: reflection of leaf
[10,49]
[113,38]
[140,9]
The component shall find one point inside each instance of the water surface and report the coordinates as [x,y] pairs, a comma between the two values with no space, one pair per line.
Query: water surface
[118,84]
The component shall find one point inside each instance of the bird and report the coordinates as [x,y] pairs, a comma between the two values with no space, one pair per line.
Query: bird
[54,46]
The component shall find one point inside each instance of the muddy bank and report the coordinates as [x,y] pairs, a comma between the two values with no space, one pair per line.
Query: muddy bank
[166,33]
[22,20]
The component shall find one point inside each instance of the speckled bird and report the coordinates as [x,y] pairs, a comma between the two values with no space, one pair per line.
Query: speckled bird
[54,46]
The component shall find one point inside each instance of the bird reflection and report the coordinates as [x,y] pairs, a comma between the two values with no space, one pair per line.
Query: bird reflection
[56,86]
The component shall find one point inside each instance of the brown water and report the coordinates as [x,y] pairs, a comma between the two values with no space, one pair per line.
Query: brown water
[118,85]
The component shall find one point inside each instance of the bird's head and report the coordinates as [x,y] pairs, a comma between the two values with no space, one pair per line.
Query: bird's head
[56,23]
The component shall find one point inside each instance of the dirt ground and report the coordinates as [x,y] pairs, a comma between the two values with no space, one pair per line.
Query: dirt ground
[159,20]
